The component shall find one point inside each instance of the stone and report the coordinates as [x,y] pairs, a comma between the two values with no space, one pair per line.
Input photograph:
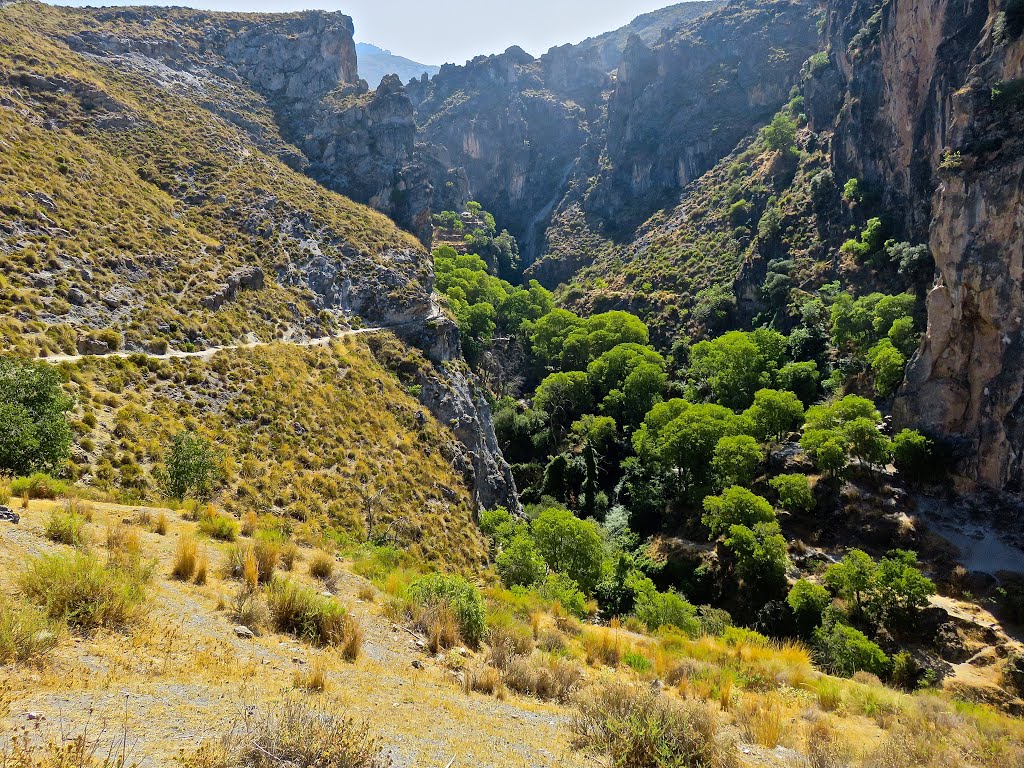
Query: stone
[417,664]
[77,297]
[8,515]
[243,632]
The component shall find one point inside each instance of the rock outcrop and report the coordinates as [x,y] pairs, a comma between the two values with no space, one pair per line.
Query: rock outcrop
[931,117]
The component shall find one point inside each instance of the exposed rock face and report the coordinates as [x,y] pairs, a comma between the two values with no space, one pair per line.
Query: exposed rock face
[451,396]
[932,119]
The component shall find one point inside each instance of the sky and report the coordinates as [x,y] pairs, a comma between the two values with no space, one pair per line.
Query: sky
[449,31]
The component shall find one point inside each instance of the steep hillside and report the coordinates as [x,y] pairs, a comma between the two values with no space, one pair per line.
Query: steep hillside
[376,63]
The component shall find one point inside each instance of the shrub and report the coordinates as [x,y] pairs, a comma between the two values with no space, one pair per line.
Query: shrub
[736,506]
[658,609]
[760,720]
[637,661]
[192,467]
[912,454]
[33,411]
[77,588]
[520,563]
[570,546]
[559,588]
[295,734]
[289,554]
[544,676]
[483,678]
[507,642]
[303,612]
[826,748]
[603,645]
[65,526]
[39,486]
[640,728]
[794,492]
[5,490]
[26,633]
[844,650]
[462,597]
[218,525]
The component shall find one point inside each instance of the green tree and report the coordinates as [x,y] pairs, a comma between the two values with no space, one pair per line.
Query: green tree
[912,454]
[192,467]
[844,650]
[794,492]
[808,602]
[34,432]
[641,390]
[563,397]
[686,444]
[801,379]
[866,441]
[775,414]
[520,563]
[609,371]
[501,526]
[549,334]
[887,364]
[595,434]
[736,506]
[730,368]
[899,589]
[760,553]
[904,336]
[736,460]
[852,578]
[570,546]
[780,134]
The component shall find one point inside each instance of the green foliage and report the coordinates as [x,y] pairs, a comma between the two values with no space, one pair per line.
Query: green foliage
[305,613]
[520,563]
[78,589]
[794,492]
[561,589]
[736,460]
[563,397]
[736,506]
[192,467]
[39,485]
[872,238]
[808,602]
[658,609]
[852,578]
[844,650]
[780,134]
[65,526]
[888,365]
[912,454]
[730,368]
[570,546]
[857,324]
[34,431]
[846,428]
[801,379]
[775,414]
[637,661]
[562,340]
[891,592]
[500,525]
[760,552]
[852,192]
[463,598]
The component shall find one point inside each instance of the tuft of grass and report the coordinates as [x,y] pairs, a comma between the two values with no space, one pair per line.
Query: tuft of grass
[603,645]
[321,565]
[161,524]
[295,734]
[434,590]
[760,720]
[826,748]
[65,526]
[27,635]
[39,486]
[483,678]
[312,678]
[186,558]
[217,525]
[637,727]
[5,490]
[308,615]
[202,569]
[544,676]
[80,590]
[829,693]
[289,555]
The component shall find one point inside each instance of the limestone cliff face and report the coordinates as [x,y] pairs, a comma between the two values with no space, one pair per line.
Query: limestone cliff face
[931,116]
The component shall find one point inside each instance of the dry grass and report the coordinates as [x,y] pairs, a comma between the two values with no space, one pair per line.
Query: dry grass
[826,747]
[640,728]
[312,678]
[79,589]
[439,623]
[321,565]
[544,676]
[289,556]
[186,558]
[249,523]
[161,524]
[294,734]
[603,645]
[760,720]
[27,635]
[483,678]
[320,620]
[67,526]
[202,568]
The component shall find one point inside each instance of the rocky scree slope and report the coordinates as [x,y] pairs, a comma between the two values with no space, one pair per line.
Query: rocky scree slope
[149,198]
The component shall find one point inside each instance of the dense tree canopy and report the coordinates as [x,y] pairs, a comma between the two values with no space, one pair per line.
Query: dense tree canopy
[34,432]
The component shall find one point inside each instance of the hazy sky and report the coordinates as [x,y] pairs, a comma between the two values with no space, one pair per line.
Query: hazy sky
[450,30]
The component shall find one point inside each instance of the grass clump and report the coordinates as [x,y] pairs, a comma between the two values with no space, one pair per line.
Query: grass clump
[317,619]
[295,734]
[462,598]
[640,728]
[186,558]
[39,486]
[26,633]
[217,525]
[321,566]
[65,526]
[80,590]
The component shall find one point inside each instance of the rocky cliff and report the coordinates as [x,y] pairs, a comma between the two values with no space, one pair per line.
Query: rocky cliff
[930,115]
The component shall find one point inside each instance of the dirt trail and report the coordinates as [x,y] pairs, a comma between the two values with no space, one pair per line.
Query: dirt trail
[206,354]
[184,677]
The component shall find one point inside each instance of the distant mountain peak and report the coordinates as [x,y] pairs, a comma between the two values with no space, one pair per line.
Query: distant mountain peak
[375,63]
